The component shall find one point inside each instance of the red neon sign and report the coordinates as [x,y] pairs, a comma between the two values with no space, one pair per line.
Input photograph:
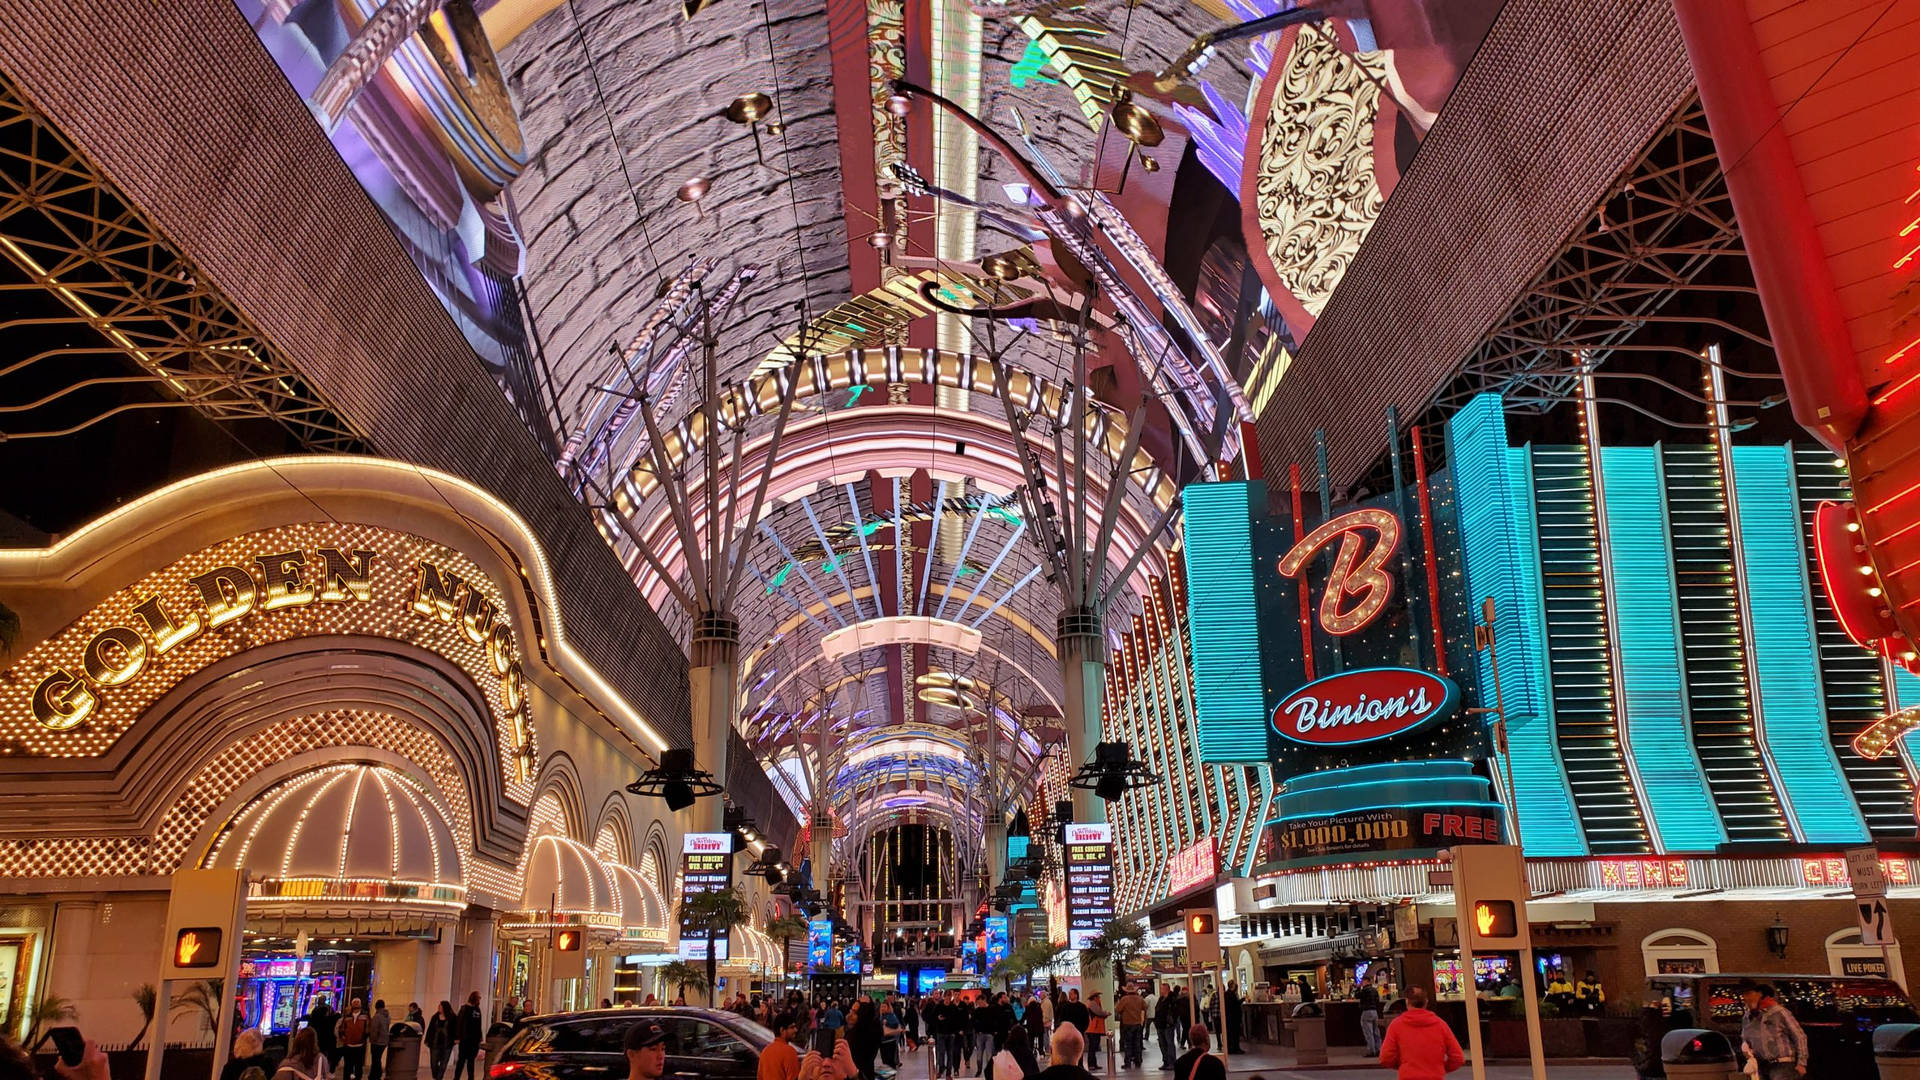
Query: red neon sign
[1198,863]
[1357,577]
[1364,705]
[1852,586]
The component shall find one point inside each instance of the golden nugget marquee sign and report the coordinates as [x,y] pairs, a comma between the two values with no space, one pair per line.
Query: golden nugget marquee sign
[229,592]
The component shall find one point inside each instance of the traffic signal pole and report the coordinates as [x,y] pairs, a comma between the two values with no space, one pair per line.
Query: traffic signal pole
[1476,1054]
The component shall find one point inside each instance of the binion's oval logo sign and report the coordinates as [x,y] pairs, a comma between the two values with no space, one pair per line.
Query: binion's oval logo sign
[1365,705]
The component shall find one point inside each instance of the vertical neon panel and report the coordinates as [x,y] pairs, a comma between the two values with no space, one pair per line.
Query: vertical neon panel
[1786,650]
[1224,621]
[1502,561]
[1645,604]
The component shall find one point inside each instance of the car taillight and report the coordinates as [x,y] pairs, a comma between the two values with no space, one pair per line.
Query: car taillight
[505,1068]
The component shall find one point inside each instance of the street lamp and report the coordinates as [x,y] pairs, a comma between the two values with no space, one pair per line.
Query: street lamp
[1777,937]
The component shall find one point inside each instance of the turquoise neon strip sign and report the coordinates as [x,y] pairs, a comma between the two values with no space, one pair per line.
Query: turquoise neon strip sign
[1792,711]
[1646,604]
[1223,617]
[1495,498]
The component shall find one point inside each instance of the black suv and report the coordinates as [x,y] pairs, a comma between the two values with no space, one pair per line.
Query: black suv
[1838,1013]
[702,1044]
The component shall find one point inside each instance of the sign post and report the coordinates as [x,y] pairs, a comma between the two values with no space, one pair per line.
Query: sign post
[205,916]
[1203,948]
[1870,901]
[1490,896]
[1089,856]
[706,865]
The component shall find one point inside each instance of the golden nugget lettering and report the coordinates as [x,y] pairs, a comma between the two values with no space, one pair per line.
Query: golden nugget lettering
[275,581]
[119,654]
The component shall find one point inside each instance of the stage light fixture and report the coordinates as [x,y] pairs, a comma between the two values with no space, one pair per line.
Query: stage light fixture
[676,780]
[1113,772]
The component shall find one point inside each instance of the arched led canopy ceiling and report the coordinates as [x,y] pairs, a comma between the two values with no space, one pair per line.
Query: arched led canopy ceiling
[880,512]
[896,492]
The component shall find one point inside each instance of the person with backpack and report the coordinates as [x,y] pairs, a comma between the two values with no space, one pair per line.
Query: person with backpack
[350,1032]
[304,1061]
[469,1030]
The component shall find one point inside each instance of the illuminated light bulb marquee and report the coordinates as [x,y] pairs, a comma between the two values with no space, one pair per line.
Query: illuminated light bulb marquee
[1377,757]
[77,693]
[1353,575]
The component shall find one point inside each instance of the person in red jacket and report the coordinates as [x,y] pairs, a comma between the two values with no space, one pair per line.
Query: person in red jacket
[1419,1044]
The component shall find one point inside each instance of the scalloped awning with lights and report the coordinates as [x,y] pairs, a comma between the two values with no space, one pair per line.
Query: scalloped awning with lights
[345,837]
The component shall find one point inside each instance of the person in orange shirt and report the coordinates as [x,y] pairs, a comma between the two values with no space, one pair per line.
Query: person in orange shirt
[780,1061]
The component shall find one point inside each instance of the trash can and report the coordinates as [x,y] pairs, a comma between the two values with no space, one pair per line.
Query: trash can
[1309,1039]
[1698,1054]
[1896,1049]
[403,1052]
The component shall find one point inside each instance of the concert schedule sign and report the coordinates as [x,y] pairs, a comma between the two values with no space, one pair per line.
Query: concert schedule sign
[1089,882]
[706,865]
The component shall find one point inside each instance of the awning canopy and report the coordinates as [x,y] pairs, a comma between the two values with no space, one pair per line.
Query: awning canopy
[643,912]
[344,837]
[567,883]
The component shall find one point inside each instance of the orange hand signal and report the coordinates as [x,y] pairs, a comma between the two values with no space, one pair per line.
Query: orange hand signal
[189,947]
[1483,914]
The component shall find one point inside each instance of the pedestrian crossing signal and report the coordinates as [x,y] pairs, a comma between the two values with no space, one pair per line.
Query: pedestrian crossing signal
[1495,919]
[567,941]
[1199,922]
[197,947]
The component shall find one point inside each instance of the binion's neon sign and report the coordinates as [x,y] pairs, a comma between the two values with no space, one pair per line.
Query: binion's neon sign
[1359,585]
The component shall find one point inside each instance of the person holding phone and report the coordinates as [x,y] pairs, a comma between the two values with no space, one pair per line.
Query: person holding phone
[80,1057]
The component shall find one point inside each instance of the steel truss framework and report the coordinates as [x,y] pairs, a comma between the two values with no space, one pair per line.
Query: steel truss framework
[1660,230]
[70,234]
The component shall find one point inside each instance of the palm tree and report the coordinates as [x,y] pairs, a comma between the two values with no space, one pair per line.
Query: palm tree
[786,928]
[1115,947]
[200,999]
[145,997]
[1010,967]
[717,912]
[1039,957]
[682,974]
[48,1011]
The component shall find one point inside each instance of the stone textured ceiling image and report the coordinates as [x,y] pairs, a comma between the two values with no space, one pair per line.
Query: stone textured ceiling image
[641,213]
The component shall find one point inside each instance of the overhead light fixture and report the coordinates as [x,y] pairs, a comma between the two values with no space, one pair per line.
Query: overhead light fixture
[676,780]
[770,866]
[1113,772]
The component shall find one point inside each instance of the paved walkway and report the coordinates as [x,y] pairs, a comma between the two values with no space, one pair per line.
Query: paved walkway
[1343,1063]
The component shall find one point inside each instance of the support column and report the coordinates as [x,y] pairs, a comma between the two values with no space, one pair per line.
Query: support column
[400,975]
[996,848]
[72,950]
[437,984]
[715,654]
[472,967]
[1083,672]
